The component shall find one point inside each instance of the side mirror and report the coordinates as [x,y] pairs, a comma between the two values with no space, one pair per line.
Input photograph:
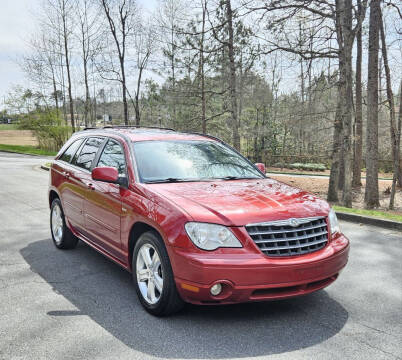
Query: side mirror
[106,174]
[261,167]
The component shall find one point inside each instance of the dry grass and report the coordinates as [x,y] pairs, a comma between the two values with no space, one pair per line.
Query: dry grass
[18,137]
[319,187]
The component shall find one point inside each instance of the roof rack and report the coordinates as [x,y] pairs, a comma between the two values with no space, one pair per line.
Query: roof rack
[128,127]
[135,127]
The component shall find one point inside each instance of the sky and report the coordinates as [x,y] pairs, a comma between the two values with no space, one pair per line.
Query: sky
[17,23]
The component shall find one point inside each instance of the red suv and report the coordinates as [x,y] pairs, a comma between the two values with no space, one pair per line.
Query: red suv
[191,218]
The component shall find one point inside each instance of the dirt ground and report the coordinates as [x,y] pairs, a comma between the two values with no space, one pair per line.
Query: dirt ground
[319,187]
[325,172]
[17,137]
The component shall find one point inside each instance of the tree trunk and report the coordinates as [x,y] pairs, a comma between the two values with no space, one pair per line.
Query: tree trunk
[203,99]
[371,196]
[66,54]
[343,127]
[358,149]
[336,147]
[173,67]
[345,68]
[341,176]
[397,165]
[399,174]
[232,77]
[124,89]
[87,96]
[393,126]
[137,99]
[256,134]
[63,85]
[55,94]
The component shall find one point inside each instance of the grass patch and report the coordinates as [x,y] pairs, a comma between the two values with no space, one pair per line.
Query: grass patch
[375,213]
[309,166]
[8,127]
[26,149]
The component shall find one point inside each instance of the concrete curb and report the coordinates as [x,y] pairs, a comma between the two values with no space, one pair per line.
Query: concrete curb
[387,224]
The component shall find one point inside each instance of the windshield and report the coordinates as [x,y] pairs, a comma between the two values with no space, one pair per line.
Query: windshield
[174,161]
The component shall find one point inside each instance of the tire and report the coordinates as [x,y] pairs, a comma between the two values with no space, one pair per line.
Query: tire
[62,236]
[148,274]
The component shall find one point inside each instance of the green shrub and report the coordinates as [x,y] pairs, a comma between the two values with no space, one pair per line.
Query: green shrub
[47,128]
[308,166]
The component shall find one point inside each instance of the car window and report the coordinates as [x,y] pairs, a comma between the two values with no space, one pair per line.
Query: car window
[71,150]
[88,153]
[165,161]
[113,155]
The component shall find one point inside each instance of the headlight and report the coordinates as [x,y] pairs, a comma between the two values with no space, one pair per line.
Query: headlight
[211,236]
[333,222]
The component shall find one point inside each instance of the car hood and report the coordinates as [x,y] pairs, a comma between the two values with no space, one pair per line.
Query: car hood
[241,202]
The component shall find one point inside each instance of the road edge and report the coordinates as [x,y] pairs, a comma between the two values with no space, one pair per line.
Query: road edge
[368,220]
[26,154]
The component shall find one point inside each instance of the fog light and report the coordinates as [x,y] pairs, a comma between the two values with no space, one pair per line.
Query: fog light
[216,289]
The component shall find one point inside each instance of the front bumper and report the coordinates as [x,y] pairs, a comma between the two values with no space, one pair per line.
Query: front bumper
[254,276]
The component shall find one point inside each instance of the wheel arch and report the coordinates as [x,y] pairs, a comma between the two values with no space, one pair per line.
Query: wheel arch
[136,231]
[53,195]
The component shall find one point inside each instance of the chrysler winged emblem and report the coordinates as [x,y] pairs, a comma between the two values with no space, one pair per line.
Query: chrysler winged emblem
[294,222]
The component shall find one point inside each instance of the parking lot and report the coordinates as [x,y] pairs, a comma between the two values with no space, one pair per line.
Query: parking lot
[79,305]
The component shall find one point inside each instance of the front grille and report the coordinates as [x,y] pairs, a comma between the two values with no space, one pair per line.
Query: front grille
[290,237]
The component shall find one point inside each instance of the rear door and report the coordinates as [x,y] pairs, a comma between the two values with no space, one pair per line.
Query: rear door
[79,178]
[71,201]
[102,207]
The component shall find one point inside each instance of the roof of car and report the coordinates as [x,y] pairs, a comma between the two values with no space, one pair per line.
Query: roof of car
[149,133]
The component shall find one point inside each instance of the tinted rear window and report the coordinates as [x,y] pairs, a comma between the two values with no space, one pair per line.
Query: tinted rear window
[88,152]
[71,150]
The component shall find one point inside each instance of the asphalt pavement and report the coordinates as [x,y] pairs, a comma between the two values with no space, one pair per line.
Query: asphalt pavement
[78,305]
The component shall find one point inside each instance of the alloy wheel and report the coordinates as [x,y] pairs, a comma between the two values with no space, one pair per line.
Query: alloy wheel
[57,224]
[149,273]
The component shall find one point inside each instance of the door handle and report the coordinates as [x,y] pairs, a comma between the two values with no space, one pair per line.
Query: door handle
[90,186]
[66,174]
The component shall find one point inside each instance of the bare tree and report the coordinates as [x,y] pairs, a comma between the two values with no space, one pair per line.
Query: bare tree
[371,196]
[202,66]
[59,19]
[144,44]
[40,64]
[232,75]
[345,25]
[170,18]
[89,33]
[121,17]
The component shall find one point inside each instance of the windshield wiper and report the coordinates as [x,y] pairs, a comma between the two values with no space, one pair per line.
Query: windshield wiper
[169,180]
[236,178]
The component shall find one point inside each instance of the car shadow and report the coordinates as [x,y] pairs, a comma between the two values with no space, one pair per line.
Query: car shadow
[103,291]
